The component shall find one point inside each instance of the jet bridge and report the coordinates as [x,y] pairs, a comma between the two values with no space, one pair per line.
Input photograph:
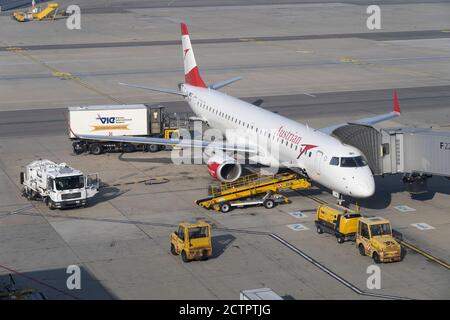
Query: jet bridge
[418,153]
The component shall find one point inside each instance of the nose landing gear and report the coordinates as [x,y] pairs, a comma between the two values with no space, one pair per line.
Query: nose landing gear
[339,198]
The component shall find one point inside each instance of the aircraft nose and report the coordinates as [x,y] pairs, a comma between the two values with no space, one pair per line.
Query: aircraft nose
[365,188]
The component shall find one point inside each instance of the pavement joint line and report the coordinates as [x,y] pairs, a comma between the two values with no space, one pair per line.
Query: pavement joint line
[62,75]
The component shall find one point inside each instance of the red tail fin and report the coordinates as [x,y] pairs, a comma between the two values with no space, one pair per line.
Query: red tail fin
[396,104]
[191,73]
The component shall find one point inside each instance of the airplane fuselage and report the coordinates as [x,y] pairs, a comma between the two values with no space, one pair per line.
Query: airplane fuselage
[324,158]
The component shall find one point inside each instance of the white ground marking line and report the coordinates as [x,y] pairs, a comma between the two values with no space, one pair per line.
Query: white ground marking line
[298,214]
[404,208]
[422,226]
[297,227]
[309,94]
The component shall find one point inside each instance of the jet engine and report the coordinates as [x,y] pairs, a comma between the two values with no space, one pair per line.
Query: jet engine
[224,168]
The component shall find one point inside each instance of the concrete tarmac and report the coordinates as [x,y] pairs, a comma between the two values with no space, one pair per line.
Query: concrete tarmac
[315,62]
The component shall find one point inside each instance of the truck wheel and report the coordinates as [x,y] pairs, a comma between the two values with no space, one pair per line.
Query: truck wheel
[269,204]
[128,147]
[153,148]
[184,256]
[225,207]
[361,249]
[172,250]
[79,148]
[319,230]
[50,204]
[376,258]
[96,148]
[340,239]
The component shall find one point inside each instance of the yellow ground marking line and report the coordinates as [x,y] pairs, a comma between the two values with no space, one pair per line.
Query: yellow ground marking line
[304,51]
[355,61]
[425,254]
[62,75]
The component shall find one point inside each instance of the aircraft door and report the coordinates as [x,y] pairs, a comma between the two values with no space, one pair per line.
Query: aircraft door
[318,161]
[92,184]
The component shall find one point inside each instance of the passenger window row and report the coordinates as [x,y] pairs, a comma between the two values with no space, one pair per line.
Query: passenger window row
[251,127]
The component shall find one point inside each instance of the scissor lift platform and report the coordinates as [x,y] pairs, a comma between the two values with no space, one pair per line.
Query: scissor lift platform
[253,189]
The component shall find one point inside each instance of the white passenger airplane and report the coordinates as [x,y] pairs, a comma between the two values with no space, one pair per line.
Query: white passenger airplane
[317,154]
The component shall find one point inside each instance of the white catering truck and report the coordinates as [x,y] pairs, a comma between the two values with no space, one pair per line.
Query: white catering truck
[120,120]
[58,185]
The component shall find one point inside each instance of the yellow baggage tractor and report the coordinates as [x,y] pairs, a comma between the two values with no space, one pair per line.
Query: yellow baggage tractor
[192,241]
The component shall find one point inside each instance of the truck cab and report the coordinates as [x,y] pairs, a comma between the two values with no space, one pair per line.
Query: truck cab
[374,239]
[192,241]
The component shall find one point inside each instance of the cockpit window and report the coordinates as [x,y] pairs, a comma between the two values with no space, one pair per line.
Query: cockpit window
[360,161]
[352,162]
[334,161]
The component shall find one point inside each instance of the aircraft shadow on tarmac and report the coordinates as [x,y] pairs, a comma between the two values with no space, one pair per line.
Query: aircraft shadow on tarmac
[391,184]
[220,243]
[53,284]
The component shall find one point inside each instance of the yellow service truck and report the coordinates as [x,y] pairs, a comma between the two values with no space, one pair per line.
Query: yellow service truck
[338,221]
[192,241]
[374,239]
[373,235]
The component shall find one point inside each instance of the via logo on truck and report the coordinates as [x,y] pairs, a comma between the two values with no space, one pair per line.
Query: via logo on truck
[106,120]
[111,123]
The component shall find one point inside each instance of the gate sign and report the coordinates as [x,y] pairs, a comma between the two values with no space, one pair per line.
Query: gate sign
[297,227]
[404,209]
[422,226]
[298,214]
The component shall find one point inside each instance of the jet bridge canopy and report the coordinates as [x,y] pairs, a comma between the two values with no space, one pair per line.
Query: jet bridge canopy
[366,139]
[411,151]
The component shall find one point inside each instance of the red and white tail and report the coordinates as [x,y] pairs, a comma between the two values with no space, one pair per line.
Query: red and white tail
[191,73]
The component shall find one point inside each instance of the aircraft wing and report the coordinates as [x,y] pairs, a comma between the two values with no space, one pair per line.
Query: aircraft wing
[371,120]
[183,143]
